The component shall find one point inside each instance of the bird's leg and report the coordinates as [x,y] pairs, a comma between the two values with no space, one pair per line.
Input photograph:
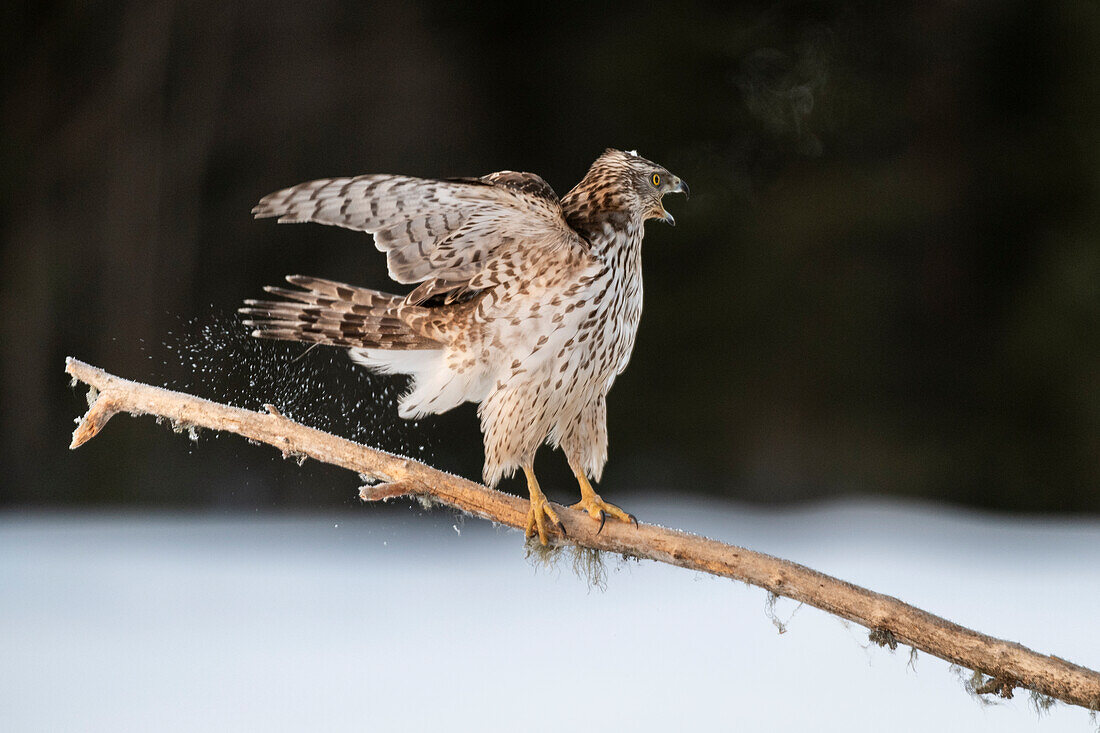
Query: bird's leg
[596,507]
[540,511]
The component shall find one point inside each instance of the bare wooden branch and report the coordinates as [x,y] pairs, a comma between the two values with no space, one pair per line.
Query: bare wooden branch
[889,620]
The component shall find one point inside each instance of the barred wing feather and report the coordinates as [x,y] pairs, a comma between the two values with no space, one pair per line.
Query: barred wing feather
[449,235]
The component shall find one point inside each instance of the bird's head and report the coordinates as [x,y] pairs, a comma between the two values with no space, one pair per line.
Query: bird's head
[645,182]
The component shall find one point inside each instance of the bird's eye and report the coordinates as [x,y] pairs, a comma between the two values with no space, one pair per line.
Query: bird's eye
[656,179]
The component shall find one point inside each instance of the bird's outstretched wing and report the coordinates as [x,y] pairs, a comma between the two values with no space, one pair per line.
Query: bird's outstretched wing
[452,236]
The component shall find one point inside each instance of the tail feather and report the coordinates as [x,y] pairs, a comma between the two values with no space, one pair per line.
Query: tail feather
[329,312]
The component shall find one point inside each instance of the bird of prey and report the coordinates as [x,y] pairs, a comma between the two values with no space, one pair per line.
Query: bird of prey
[524,303]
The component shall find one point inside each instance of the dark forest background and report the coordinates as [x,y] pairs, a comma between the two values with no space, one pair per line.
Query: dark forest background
[886,282]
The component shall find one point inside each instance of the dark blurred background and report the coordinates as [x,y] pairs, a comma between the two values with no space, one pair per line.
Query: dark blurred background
[886,282]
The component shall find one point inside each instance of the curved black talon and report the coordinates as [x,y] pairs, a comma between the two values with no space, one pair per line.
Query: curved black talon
[633,519]
[603,518]
[561,528]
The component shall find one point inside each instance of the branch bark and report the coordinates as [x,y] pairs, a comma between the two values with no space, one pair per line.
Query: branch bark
[889,620]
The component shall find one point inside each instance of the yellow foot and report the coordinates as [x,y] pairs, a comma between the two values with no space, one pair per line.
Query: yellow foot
[540,517]
[599,510]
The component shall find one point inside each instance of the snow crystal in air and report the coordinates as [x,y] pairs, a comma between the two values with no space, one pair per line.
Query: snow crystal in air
[215,356]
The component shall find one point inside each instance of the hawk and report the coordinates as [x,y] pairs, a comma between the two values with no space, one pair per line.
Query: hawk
[524,303]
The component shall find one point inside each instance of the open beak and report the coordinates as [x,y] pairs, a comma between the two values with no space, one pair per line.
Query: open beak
[679,187]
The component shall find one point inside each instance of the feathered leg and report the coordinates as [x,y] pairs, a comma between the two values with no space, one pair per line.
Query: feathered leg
[584,442]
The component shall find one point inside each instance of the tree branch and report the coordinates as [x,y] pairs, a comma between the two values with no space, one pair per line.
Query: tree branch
[889,620]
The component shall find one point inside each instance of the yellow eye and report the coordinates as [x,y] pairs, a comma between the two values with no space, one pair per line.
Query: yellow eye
[656,179]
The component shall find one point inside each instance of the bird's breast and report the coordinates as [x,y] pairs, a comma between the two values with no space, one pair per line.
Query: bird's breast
[616,307]
[572,329]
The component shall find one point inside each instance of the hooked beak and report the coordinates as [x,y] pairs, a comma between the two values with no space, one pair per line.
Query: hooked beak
[682,187]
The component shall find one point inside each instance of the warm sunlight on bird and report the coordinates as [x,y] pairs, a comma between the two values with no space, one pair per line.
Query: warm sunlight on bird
[526,304]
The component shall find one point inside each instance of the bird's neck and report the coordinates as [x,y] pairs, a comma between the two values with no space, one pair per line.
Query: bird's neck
[607,227]
[615,235]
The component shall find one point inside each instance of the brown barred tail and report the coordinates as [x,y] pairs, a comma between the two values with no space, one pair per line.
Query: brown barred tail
[328,312]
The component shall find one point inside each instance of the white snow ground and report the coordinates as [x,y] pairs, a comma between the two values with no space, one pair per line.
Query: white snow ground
[396,621]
